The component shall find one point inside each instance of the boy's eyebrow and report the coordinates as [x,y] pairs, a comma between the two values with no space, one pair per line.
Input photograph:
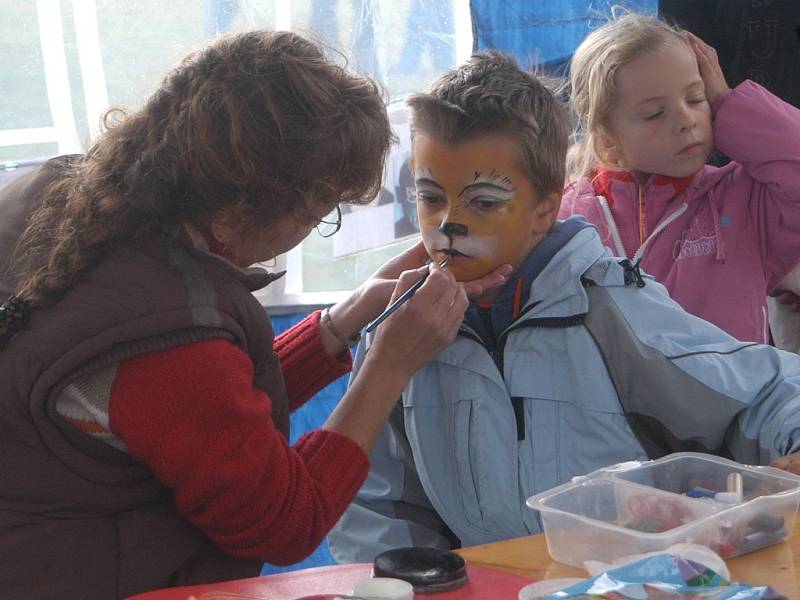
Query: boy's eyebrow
[428,181]
[485,184]
[492,180]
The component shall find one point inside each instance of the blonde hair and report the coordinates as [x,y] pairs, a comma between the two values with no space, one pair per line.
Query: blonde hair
[593,77]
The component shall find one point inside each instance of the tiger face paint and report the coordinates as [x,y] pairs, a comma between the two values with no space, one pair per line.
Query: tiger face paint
[476,204]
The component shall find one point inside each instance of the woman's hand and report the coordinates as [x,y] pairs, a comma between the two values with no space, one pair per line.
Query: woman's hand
[378,289]
[789,299]
[710,70]
[405,341]
[375,294]
[422,326]
[790,462]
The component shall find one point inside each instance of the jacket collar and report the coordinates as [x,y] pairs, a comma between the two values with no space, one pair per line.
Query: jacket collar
[607,182]
[551,279]
[253,278]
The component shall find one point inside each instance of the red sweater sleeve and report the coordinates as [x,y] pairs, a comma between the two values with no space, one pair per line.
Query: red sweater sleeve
[192,414]
[307,368]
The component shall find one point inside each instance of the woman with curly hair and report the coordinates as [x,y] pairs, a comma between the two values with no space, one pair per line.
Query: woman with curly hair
[144,401]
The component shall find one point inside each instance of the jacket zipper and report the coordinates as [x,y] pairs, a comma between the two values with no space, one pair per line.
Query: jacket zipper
[659,228]
[641,215]
[498,356]
[496,353]
[612,226]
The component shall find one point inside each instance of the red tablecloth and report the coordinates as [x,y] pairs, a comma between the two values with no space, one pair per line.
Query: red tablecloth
[482,583]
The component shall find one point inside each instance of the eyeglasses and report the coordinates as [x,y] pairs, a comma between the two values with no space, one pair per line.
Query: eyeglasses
[331,223]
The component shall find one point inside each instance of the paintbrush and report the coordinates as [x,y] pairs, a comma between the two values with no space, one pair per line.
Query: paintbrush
[402,299]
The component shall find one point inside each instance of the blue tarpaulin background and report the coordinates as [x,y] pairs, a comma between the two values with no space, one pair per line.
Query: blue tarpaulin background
[541,33]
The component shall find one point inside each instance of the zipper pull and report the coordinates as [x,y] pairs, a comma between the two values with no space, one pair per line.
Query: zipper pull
[633,273]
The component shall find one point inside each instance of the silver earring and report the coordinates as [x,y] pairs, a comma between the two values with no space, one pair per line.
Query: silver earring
[220,238]
[272,261]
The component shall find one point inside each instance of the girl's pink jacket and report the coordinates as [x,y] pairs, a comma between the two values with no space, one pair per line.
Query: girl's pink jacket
[722,240]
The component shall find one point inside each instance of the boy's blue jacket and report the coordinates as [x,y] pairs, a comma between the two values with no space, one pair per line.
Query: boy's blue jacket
[566,390]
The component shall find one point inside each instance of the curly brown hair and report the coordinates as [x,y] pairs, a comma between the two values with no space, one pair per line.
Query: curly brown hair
[260,122]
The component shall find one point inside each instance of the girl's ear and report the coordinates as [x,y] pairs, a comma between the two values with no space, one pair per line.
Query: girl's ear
[606,148]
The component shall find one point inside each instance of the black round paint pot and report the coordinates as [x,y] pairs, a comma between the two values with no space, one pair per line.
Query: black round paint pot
[428,570]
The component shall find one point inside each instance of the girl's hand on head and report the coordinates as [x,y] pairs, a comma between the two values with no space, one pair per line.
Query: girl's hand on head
[708,64]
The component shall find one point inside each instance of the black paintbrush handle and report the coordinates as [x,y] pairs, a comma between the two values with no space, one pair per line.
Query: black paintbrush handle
[397,303]
[403,298]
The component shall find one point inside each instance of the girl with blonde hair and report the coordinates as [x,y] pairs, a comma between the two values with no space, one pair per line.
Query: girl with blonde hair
[651,102]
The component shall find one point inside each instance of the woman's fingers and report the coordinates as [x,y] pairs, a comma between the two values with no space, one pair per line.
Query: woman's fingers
[408,279]
[416,257]
[490,281]
[425,324]
[430,319]
[447,299]
[790,462]
[412,258]
[456,311]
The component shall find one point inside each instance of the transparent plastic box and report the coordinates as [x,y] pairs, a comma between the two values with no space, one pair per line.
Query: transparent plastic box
[637,507]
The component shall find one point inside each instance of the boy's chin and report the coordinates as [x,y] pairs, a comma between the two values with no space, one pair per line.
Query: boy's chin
[463,271]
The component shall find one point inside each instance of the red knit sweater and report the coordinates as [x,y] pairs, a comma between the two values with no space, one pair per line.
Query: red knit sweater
[191,413]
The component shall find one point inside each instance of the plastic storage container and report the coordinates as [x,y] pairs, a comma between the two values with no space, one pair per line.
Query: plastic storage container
[638,507]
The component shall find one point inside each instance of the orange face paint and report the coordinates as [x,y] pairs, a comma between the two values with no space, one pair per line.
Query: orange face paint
[475,192]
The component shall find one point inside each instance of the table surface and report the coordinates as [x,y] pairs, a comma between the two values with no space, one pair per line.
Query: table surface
[778,565]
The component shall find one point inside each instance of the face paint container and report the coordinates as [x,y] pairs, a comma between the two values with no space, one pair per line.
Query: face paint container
[315,597]
[383,588]
[735,489]
[735,486]
[427,569]
[759,539]
[765,521]
[700,492]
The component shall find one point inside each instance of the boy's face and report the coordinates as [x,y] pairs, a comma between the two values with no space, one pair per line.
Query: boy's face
[472,198]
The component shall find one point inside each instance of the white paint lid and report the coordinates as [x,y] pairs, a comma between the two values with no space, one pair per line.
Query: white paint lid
[540,589]
[384,588]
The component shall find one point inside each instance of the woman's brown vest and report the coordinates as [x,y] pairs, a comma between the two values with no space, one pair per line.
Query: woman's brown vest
[78,518]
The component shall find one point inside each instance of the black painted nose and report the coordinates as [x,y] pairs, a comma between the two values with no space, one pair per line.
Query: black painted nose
[451,229]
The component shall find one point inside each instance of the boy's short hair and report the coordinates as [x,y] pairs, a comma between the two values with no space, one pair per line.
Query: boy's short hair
[491,95]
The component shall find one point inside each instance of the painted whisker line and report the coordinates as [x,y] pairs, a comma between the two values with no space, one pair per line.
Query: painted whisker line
[402,299]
